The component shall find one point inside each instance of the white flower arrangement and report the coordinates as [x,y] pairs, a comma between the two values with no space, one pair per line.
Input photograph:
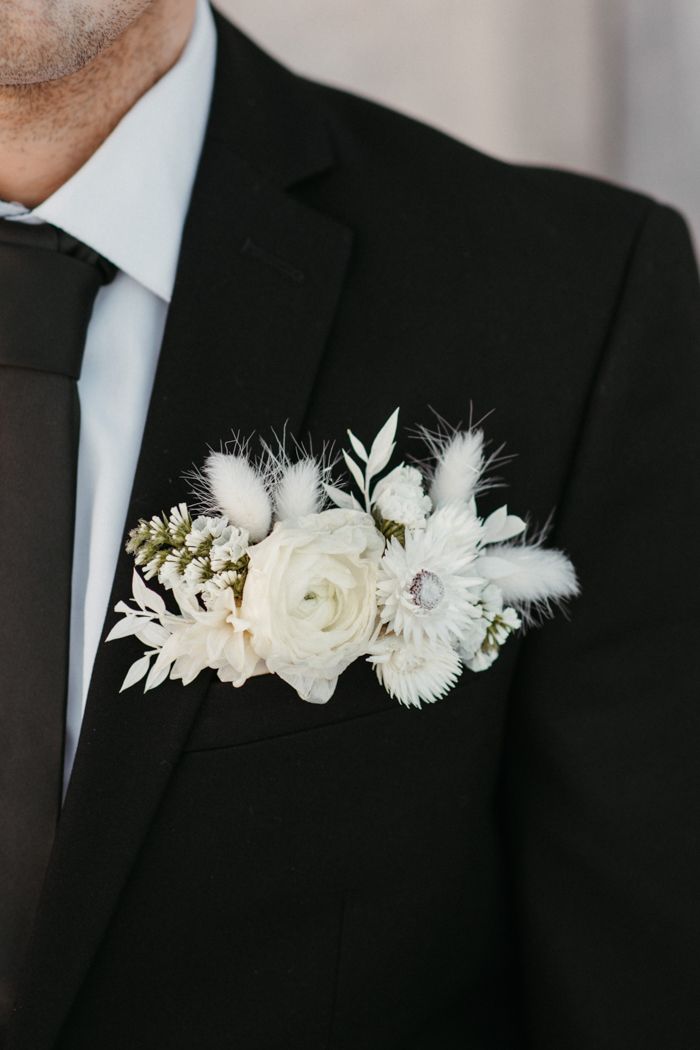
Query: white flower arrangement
[286,573]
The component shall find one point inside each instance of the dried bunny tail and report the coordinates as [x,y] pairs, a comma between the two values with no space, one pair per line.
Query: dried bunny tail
[541,580]
[298,491]
[203,500]
[230,483]
[296,484]
[458,468]
[458,465]
[241,493]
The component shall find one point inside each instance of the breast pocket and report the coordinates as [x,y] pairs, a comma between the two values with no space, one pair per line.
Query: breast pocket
[266,707]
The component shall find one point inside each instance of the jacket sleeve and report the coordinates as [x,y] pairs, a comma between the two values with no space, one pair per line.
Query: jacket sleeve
[602,753]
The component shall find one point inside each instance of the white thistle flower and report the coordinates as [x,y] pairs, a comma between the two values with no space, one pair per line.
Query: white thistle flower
[400,496]
[427,589]
[414,674]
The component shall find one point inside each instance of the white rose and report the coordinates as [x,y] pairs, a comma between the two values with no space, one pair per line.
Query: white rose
[400,496]
[309,598]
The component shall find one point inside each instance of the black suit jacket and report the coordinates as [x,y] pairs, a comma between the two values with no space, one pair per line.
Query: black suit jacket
[516,865]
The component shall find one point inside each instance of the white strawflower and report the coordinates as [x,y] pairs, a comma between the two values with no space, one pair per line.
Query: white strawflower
[415,674]
[400,496]
[310,598]
[427,589]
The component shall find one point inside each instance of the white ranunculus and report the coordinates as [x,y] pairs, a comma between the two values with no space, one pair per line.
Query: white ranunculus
[309,598]
[400,496]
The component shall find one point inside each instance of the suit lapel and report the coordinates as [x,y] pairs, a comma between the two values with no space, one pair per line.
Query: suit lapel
[258,281]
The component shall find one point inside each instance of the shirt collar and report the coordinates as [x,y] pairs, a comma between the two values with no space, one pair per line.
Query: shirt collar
[130,199]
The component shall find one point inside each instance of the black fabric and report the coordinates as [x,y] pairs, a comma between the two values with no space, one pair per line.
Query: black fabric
[48,282]
[514,866]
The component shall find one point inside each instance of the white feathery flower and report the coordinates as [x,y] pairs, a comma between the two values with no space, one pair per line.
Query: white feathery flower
[414,674]
[427,589]
[400,496]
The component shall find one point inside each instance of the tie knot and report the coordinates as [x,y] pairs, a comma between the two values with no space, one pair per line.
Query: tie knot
[48,284]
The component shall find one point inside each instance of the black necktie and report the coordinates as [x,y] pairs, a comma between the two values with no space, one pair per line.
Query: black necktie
[48,283]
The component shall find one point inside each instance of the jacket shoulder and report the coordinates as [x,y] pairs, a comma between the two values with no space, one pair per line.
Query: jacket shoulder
[413,162]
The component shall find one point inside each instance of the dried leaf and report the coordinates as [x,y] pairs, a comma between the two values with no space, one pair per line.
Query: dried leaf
[500,526]
[136,672]
[383,445]
[358,448]
[126,627]
[342,499]
[355,471]
[145,597]
[152,635]
[158,673]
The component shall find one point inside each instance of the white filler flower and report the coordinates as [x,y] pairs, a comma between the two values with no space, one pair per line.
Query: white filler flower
[481,641]
[400,497]
[310,598]
[415,674]
[427,589]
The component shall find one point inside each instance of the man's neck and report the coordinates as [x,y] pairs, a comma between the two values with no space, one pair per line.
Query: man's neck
[49,130]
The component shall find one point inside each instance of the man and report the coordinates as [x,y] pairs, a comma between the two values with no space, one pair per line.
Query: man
[514,866]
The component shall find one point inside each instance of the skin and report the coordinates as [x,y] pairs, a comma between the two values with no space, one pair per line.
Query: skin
[69,71]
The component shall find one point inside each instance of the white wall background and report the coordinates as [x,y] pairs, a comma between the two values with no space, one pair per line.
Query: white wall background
[606,86]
